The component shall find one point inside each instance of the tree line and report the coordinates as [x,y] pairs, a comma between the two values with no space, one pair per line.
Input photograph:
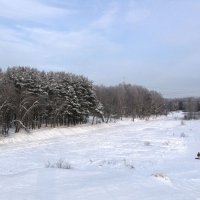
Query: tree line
[30,99]
[190,106]
[130,101]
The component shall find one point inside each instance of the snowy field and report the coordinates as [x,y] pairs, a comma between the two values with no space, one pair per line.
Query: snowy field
[149,160]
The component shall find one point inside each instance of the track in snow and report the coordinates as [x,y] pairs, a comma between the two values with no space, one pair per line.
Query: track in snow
[123,160]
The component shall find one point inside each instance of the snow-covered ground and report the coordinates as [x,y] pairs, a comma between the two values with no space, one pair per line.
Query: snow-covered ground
[122,161]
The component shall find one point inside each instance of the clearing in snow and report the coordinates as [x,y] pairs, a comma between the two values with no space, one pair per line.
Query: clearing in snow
[122,161]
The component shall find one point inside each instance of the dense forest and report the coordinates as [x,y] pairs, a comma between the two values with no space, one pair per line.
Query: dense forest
[30,99]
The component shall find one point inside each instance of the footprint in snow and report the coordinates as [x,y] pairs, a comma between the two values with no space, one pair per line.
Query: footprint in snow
[162,178]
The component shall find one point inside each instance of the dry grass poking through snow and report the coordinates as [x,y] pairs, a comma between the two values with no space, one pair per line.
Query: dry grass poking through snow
[60,164]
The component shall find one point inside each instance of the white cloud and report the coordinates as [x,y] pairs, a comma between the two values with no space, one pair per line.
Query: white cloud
[135,16]
[37,46]
[136,12]
[107,19]
[69,41]
[29,10]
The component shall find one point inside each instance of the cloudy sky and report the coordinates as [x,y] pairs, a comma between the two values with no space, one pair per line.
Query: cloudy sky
[154,43]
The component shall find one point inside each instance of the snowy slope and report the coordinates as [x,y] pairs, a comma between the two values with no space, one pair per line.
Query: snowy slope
[124,161]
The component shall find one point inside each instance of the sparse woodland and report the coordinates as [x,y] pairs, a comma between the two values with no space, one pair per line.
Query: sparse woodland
[190,106]
[30,99]
[126,100]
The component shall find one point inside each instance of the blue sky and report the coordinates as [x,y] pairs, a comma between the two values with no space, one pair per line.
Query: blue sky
[154,43]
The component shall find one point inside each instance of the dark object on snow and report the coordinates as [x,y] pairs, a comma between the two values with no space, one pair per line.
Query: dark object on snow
[198,155]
